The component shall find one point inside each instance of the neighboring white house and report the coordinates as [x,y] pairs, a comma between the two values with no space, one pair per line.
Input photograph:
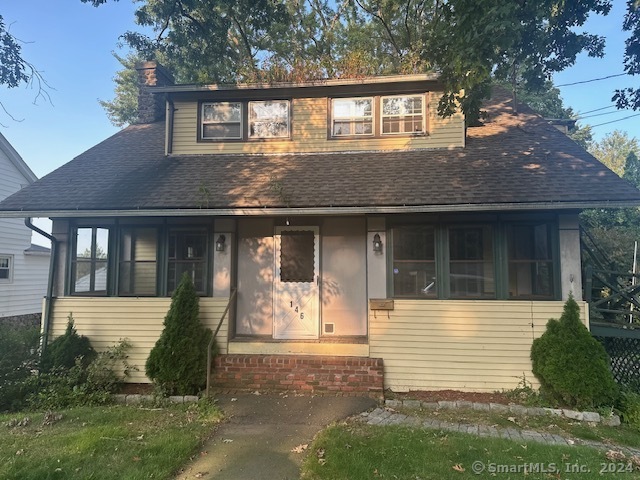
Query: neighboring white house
[24,267]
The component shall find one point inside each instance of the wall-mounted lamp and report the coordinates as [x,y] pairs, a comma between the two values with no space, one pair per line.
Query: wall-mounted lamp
[377,243]
[220,243]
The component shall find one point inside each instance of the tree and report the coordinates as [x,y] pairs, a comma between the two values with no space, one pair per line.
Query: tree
[14,69]
[123,109]
[616,230]
[572,366]
[630,97]
[466,41]
[613,149]
[177,363]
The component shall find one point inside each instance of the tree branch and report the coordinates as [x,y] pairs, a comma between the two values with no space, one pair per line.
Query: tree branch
[384,24]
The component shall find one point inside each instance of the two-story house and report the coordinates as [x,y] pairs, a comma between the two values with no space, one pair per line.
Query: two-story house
[24,267]
[365,235]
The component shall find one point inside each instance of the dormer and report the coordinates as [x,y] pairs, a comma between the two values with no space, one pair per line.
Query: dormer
[397,112]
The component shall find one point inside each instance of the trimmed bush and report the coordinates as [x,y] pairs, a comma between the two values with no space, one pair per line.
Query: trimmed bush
[64,350]
[177,363]
[571,365]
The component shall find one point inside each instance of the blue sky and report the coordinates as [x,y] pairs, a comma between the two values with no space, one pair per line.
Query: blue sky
[72,44]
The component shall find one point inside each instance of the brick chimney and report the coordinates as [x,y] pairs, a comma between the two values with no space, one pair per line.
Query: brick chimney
[151,106]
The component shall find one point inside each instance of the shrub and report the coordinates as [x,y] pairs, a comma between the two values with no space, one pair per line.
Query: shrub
[92,384]
[571,365]
[630,408]
[64,350]
[177,362]
[18,359]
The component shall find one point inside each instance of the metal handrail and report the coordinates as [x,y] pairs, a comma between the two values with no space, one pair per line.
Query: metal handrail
[234,291]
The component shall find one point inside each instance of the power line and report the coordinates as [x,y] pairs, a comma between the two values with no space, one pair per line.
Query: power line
[592,80]
[596,115]
[614,121]
[596,110]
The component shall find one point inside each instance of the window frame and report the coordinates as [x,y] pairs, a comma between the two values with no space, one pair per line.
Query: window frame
[92,261]
[206,258]
[553,237]
[499,228]
[249,104]
[422,96]
[202,123]
[244,120]
[119,261]
[332,118]
[10,267]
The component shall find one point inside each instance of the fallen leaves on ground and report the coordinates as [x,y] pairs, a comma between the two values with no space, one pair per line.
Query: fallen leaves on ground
[300,448]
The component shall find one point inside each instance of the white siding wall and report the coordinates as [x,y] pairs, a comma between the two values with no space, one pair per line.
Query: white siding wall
[23,295]
[460,345]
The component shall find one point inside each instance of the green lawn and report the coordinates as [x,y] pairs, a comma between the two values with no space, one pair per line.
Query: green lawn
[356,451]
[111,442]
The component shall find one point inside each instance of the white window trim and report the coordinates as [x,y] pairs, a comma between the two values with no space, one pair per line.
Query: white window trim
[203,123]
[253,137]
[373,117]
[10,258]
[424,114]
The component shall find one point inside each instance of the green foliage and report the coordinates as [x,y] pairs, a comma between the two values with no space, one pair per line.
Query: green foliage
[64,351]
[525,394]
[466,41]
[90,384]
[629,407]
[571,365]
[18,359]
[613,150]
[123,109]
[177,362]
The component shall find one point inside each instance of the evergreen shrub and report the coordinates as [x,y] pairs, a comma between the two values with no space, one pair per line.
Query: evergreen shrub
[64,350]
[177,363]
[571,365]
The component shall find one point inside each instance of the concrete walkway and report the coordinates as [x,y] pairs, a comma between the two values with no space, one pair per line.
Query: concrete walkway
[260,431]
[386,416]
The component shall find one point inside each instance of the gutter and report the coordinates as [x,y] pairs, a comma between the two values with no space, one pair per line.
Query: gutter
[327,210]
[48,304]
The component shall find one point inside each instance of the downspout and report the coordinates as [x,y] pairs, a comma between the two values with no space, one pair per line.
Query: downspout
[52,267]
[170,114]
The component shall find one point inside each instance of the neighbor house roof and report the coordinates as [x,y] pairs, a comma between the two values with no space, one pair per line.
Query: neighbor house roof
[15,158]
[511,162]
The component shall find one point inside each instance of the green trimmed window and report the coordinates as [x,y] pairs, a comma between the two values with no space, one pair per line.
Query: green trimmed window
[90,261]
[138,262]
[485,261]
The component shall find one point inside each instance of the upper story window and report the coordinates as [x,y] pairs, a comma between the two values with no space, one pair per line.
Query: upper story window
[351,116]
[6,268]
[269,119]
[222,121]
[402,114]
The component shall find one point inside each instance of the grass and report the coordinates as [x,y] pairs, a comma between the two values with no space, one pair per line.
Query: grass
[622,435]
[353,451]
[111,442]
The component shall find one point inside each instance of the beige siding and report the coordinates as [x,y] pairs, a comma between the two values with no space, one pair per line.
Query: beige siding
[461,345]
[107,320]
[309,133]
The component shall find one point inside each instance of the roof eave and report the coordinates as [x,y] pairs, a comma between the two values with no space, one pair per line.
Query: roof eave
[310,211]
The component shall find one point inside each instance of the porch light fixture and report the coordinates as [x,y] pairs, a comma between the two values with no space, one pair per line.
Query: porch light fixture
[377,243]
[220,243]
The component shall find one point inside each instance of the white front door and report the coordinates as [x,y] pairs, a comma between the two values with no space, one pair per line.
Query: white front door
[296,312]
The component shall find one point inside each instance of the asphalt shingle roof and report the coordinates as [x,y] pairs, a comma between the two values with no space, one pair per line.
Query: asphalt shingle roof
[512,159]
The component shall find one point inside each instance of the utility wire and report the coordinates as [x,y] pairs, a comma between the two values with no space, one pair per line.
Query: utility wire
[596,115]
[596,110]
[614,121]
[592,80]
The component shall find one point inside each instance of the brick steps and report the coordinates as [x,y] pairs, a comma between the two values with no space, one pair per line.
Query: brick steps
[305,374]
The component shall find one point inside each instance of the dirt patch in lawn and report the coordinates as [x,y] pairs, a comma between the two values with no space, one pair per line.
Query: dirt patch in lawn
[450,395]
